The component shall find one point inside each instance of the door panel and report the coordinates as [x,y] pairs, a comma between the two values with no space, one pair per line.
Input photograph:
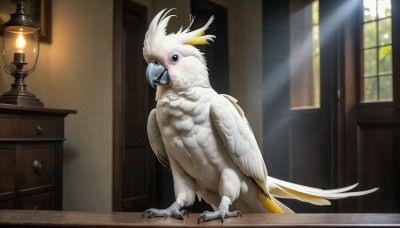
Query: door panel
[135,180]
[377,161]
[371,158]
[306,138]
[132,179]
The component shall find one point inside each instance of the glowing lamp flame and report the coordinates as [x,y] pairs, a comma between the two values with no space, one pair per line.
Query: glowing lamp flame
[20,43]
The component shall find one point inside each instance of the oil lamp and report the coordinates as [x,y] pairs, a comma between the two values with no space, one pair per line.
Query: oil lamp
[20,54]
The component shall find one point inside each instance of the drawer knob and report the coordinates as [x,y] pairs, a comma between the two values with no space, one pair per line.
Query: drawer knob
[39,129]
[37,166]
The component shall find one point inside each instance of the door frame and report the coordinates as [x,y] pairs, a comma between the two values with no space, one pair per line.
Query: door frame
[117,106]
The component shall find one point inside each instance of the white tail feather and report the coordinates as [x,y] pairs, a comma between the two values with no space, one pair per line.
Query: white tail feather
[284,189]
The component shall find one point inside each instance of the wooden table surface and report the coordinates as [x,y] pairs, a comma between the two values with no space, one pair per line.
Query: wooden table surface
[11,218]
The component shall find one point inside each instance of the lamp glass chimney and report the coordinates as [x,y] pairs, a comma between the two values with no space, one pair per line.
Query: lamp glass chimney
[20,47]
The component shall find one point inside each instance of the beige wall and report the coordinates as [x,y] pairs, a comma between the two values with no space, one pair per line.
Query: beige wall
[81,78]
[75,72]
[81,73]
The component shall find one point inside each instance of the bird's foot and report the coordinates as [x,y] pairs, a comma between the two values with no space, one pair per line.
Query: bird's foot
[221,213]
[153,212]
[172,211]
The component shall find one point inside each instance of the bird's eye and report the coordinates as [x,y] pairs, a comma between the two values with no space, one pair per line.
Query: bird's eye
[174,58]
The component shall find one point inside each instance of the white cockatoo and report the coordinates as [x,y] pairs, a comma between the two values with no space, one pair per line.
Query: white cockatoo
[204,137]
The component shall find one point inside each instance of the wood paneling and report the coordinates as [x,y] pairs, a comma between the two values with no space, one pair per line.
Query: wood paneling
[378,166]
[136,178]
[7,170]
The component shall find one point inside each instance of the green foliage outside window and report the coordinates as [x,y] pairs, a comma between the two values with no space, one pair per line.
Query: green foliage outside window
[377,51]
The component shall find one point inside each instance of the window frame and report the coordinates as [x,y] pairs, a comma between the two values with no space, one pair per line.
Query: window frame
[317,102]
[383,104]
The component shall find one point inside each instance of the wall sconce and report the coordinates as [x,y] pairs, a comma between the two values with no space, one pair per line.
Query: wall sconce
[20,54]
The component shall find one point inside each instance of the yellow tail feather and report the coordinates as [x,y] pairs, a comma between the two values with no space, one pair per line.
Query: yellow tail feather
[268,204]
[265,198]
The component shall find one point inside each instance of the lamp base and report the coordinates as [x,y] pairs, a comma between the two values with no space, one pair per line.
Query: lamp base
[18,94]
[18,97]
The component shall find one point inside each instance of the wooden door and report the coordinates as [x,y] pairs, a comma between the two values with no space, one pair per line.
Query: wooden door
[133,161]
[299,141]
[370,153]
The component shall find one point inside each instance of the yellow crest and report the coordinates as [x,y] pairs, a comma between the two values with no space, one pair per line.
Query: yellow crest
[197,39]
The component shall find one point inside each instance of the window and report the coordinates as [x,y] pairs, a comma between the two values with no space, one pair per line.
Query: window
[376,52]
[304,54]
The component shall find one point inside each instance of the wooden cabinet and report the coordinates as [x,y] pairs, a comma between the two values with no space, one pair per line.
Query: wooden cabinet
[31,147]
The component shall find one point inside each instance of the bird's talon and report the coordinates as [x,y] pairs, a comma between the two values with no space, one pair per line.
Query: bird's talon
[184,212]
[219,214]
[201,217]
[148,211]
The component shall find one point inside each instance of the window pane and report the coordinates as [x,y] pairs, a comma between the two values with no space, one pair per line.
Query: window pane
[369,10]
[304,54]
[371,89]
[315,13]
[370,34]
[385,88]
[384,8]
[377,53]
[370,68]
[385,60]
[316,66]
[385,31]
[315,34]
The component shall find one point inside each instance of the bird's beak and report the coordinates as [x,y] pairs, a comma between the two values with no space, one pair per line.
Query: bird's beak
[157,74]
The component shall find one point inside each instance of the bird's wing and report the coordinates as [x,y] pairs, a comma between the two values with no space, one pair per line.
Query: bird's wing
[155,139]
[238,138]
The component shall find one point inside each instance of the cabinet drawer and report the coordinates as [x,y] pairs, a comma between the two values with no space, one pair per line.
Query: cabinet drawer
[39,128]
[42,201]
[7,168]
[7,127]
[36,165]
